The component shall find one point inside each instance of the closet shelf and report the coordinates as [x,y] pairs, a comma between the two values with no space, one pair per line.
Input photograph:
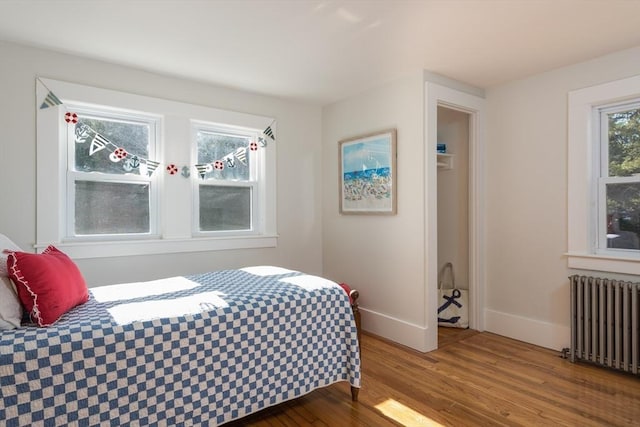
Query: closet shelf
[445,161]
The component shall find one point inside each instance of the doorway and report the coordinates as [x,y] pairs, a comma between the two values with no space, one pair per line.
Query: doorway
[464,107]
[453,202]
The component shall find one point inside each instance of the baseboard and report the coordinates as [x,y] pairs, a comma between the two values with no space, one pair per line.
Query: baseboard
[397,330]
[544,334]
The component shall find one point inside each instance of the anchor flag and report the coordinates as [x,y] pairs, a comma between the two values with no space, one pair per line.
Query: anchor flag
[82,133]
[230,160]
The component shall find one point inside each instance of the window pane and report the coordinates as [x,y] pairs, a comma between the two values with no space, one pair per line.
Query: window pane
[132,136]
[225,208]
[111,208]
[623,216]
[624,142]
[232,150]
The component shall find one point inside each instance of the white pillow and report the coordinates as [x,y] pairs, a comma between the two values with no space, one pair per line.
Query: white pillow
[6,243]
[10,307]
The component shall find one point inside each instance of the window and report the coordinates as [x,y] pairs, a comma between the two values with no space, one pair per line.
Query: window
[604,177]
[109,192]
[226,196]
[121,174]
[619,181]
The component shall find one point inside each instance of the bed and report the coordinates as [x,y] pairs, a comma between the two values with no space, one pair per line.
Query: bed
[204,349]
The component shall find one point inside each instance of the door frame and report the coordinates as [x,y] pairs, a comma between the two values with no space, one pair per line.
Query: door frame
[438,95]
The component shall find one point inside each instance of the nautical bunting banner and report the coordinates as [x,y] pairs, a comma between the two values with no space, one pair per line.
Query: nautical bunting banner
[99,142]
[130,162]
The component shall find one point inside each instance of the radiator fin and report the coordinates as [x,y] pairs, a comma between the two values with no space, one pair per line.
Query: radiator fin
[605,322]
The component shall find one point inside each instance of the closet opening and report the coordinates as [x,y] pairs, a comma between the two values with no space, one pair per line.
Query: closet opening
[453,180]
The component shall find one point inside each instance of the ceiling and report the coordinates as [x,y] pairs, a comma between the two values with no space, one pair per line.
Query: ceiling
[325,50]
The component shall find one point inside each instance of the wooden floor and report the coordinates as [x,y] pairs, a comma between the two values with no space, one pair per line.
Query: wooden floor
[473,379]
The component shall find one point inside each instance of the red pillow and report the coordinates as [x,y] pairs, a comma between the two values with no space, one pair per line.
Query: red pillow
[49,284]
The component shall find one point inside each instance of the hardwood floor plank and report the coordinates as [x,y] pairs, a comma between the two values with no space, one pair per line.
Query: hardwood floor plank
[473,379]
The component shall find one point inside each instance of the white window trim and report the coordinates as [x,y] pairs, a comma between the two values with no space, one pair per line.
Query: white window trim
[175,224]
[582,166]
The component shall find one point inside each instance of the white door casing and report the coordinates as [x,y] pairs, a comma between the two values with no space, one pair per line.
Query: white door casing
[438,95]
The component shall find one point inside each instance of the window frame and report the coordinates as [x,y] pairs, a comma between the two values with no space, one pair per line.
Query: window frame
[585,186]
[175,231]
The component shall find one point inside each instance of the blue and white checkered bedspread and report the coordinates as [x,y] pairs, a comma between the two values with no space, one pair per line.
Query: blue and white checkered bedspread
[249,341]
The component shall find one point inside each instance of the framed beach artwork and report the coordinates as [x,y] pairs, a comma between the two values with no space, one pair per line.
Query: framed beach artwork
[368,174]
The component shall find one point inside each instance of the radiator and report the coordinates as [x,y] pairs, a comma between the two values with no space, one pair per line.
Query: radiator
[604,323]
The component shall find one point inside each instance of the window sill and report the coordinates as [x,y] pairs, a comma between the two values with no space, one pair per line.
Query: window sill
[607,263]
[84,250]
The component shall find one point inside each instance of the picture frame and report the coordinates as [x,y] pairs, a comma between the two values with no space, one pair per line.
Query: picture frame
[367,174]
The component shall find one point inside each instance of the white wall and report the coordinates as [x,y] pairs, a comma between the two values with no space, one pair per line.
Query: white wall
[527,292]
[381,256]
[299,163]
